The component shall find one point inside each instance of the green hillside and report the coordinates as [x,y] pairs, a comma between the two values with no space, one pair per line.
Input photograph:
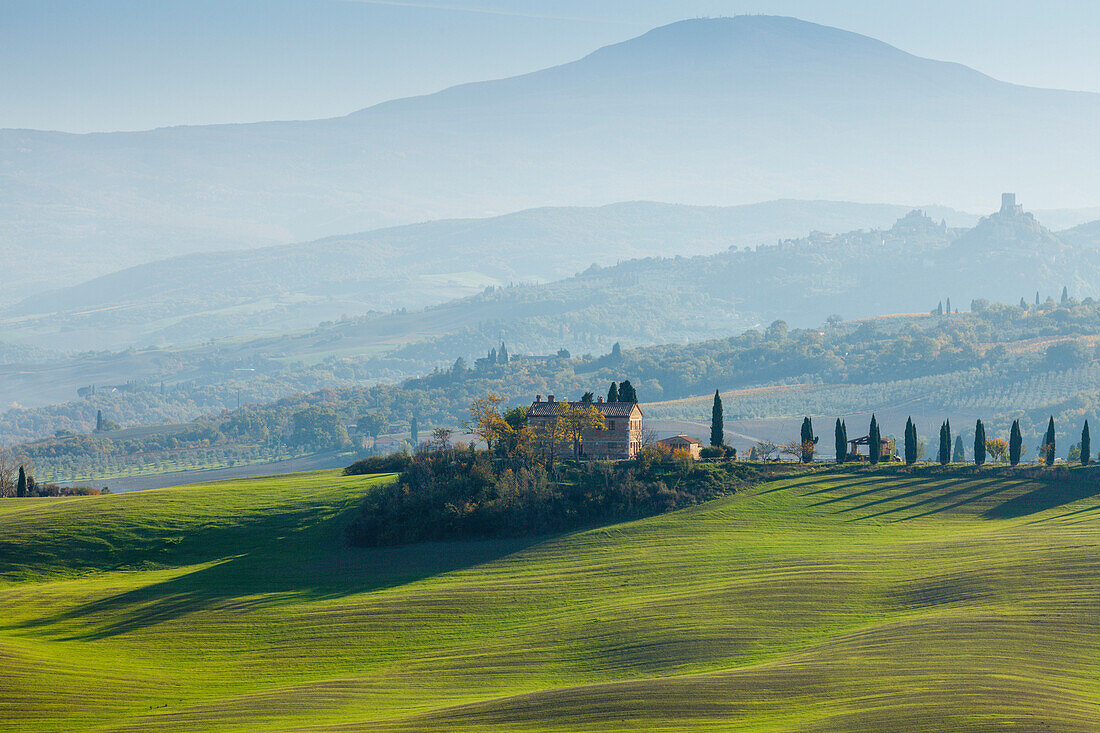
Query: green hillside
[830,601]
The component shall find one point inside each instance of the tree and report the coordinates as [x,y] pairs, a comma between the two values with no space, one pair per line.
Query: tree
[576,421]
[502,354]
[958,455]
[414,430]
[627,393]
[979,443]
[588,398]
[996,447]
[441,439]
[21,486]
[1036,297]
[616,352]
[765,449]
[1015,443]
[939,309]
[944,454]
[319,427]
[1086,444]
[808,441]
[1048,443]
[840,438]
[792,449]
[717,426]
[486,422]
[1065,295]
[949,306]
[910,442]
[370,424]
[1023,304]
[99,421]
[613,393]
[874,447]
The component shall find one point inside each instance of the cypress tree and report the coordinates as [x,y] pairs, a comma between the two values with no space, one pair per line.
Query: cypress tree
[1086,445]
[502,354]
[717,429]
[979,444]
[1023,304]
[99,421]
[1048,443]
[939,308]
[21,486]
[613,393]
[627,393]
[414,430]
[840,439]
[944,454]
[809,440]
[1065,295]
[949,306]
[874,447]
[1015,443]
[1036,297]
[959,454]
[910,442]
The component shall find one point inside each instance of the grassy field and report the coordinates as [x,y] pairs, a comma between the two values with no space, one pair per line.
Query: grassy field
[823,602]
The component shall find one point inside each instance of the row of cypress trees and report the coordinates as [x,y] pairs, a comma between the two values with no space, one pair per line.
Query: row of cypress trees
[944,455]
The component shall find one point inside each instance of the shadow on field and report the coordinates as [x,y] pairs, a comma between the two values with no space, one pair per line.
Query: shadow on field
[314,564]
[1046,496]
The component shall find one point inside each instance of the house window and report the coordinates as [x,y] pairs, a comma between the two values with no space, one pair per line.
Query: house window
[610,424]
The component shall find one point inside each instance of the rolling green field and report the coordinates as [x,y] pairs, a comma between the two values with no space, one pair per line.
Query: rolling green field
[830,601]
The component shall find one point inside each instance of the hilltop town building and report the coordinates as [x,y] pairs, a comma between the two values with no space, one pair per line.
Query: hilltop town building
[1009,207]
[619,438]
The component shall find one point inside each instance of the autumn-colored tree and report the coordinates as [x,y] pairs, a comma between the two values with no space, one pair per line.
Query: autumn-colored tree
[486,422]
[577,420]
[996,447]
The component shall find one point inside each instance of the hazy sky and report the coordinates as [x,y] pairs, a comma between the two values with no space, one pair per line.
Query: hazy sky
[81,65]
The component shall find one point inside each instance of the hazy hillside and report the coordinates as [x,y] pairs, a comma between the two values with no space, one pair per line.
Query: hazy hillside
[909,267]
[701,111]
[196,297]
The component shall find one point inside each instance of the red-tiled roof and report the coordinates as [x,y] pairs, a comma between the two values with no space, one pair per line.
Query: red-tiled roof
[609,409]
[678,439]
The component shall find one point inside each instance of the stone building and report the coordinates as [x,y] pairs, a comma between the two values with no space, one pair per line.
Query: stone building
[619,438]
[694,446]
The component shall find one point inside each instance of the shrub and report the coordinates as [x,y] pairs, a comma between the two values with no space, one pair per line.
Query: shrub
[393,463]
[463,494]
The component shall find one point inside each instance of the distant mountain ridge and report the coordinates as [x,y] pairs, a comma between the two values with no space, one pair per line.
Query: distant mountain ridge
[702,111]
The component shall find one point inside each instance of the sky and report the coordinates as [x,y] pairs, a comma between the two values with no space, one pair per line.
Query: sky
[97,65]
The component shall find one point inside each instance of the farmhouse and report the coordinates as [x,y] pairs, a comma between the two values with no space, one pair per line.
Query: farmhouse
[620,437]
[694,446]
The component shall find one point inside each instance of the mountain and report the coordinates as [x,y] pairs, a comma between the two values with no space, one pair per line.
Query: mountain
[241,293]
[701,111]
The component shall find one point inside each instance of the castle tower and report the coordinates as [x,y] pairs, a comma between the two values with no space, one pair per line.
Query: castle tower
[1009,205]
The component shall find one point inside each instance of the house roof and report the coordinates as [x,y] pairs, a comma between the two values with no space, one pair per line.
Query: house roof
[680,439]
[609,409]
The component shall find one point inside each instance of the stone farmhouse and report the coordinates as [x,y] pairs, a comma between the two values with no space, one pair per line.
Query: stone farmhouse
[693,446]
[619,438]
